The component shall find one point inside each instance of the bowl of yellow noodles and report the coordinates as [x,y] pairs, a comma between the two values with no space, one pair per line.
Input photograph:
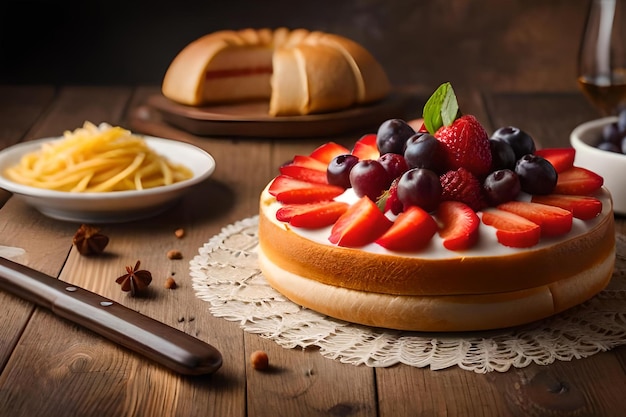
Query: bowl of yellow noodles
[102,174]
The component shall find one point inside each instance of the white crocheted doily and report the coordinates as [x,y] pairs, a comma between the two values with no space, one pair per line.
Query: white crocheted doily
[226,275]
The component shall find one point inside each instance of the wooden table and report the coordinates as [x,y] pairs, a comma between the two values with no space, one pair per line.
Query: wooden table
[52,367]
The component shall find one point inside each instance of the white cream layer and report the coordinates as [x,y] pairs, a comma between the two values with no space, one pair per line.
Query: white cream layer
[487,241]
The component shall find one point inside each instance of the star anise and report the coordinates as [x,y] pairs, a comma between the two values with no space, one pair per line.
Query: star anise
[89,241]
[135,280]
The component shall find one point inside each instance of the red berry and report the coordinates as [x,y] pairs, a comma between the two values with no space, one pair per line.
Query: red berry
[511,229]
[312,215]
[304,173]
[561,159]
[466,144]
[459,225]
[326,152]
[578,181]
[581,207]
[365,147]
[293,191]
[412,231]
[461,185]
[361,224]
[554,221]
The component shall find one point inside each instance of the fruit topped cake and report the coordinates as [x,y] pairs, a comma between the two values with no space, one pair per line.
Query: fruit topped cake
[438,228]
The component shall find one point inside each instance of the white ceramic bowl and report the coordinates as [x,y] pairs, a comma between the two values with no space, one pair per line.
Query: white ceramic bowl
[611,165]
[109,207]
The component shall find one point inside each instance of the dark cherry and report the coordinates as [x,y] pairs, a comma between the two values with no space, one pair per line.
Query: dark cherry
[392,136]
[338,171]
[423,150]
[369,178]
[521,142]
[502,155]
[536,174]
[501,186]
[394,164]
[419,187]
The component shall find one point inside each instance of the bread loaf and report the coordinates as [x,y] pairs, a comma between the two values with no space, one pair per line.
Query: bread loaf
[298,71]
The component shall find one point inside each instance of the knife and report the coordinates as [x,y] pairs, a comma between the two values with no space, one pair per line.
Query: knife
[157,341]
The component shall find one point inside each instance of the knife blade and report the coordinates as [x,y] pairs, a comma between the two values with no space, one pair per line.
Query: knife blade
[151,338]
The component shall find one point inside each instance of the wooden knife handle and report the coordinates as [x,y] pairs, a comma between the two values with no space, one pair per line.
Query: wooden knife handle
[165,345]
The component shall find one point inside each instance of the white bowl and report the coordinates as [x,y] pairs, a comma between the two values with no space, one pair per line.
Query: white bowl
[114,206]
[610,165]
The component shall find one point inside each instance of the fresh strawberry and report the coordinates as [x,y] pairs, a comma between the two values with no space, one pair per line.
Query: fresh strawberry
[461,185]
[304,173]
[459,225]
[307,161]
[561,159]
[365,148]
[412,230]
[466,144]
[312,215]
[326,152]
[293,191]
[581,207]
[554,221]
[578,181]
[361,224]
[512,230]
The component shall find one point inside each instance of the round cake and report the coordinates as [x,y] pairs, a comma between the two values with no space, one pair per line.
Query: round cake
[299,71]
[463,258]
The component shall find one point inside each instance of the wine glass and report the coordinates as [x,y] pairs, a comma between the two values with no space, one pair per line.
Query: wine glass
[601,61]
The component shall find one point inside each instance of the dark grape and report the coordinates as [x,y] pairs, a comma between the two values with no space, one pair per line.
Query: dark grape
[392,136]
[338,171]
[423,150]
[394,164]
[621,121]
[369,178]
[502,155]
[521,142]
[610,134]
[536,174]
[419,187]
[501,186]
[610,147]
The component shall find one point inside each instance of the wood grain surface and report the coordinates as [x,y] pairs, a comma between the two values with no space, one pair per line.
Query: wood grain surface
[51,367]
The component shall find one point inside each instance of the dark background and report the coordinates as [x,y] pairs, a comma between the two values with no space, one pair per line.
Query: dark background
[498,44]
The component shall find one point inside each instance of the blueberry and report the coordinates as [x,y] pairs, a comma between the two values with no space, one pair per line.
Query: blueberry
[521,142]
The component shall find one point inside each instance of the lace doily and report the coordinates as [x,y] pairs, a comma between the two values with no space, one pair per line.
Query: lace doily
[225,274]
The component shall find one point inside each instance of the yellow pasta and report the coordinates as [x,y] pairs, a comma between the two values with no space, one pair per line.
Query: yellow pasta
[96,159]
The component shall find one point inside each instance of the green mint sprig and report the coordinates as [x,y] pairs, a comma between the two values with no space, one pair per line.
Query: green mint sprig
[441,109]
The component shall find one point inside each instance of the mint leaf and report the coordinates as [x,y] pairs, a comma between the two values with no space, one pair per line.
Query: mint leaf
[441,109]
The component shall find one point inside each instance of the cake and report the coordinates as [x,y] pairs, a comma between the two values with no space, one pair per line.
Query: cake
[299,71]
[491,247]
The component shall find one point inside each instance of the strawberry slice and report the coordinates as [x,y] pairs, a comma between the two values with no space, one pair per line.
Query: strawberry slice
[411,231]
[326,152]
[361,224]
[459,225]
[293,191]
[512,230]
[581,207]
[578,181]
[307,161]
[554,221]
[304,173]
[365,148]
[561,159]
[312,215]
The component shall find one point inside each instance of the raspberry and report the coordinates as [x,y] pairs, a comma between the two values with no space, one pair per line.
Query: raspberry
[466,144]
[461,185]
